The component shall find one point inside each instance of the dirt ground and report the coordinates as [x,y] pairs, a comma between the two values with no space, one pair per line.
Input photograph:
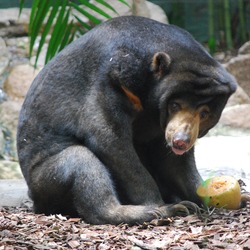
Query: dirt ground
[218,229]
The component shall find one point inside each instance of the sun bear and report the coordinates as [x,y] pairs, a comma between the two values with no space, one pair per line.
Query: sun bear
[108,127]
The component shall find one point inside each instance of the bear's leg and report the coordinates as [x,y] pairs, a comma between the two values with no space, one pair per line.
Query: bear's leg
[76,181]
[176,175]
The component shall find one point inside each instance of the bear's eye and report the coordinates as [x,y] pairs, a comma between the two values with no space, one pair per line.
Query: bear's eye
[204,114]
[174,107]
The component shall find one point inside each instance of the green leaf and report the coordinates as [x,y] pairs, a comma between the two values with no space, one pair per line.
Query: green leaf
[71,38]
[85,13]
[212,45]
[46,13]
[104,3]
[33,11]
[60,26]
[40,11]
[67,35]
[124,2]
[82,23]
[94,8]
[47,28]
[21,7]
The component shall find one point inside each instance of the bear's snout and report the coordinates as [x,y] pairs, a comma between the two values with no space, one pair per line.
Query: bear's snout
[180,142]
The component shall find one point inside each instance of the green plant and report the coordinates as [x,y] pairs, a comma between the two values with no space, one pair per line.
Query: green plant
[211,33]
[64,20]
[227,22]
[243,34]
[223,25]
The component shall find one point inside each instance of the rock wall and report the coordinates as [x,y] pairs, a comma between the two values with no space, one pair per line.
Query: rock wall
[237,114]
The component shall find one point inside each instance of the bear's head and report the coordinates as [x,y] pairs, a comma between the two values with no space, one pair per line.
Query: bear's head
[191,94]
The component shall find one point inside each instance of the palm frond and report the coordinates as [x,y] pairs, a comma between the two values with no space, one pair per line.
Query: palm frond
[46,30]
[108,6]
[55,17]
[82,23]
[94,8]
[92,18]
[21,5]
[58,31]
[37,17]
[124,2]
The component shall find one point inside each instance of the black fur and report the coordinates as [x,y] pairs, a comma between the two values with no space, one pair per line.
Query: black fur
[87,148]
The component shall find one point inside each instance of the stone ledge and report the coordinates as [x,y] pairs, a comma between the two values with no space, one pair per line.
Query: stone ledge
[13,193]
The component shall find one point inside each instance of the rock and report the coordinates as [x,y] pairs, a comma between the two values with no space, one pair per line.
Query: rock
[13,193]
[239,97]
[19,50]
[121,8]
[10,170]
[7,144]
[150,10]
[10,16]
[156,12]
[135,7]
[16,87]
[4,56]
[237,116]
[240,68]
[41,59]
[140,8]
[2,143]
[19,80]
[13,25]
[9,112]
[244,49]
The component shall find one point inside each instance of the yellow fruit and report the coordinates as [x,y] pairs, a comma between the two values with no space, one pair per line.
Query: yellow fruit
[221,191]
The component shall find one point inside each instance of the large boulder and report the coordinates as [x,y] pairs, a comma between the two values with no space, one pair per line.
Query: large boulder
[239,97]
[19,80]
[237,112]
[240,67]
[244,49]
[237,116]
[149,9]
[16,87]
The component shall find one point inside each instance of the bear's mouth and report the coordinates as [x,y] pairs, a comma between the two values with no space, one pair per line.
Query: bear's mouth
[180,143]
[178,151]
[180,146]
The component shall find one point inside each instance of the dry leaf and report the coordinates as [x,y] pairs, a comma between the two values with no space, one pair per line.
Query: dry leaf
[221,230]
[73,244]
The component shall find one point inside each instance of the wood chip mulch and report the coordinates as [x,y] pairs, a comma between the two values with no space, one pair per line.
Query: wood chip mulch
[222,229]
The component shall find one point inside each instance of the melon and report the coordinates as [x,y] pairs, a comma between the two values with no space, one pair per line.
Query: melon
[220,192]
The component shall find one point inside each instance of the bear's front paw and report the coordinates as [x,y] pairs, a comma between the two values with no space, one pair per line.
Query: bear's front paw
[183,208]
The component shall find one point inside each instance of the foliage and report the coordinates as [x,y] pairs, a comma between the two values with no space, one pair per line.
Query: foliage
[225,24]
[63,20]
[211,34]
[222,24]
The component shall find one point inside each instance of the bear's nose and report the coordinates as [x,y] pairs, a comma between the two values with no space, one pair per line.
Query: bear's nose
[181,141]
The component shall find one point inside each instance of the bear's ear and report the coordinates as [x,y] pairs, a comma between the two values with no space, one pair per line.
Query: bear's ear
[160,63]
